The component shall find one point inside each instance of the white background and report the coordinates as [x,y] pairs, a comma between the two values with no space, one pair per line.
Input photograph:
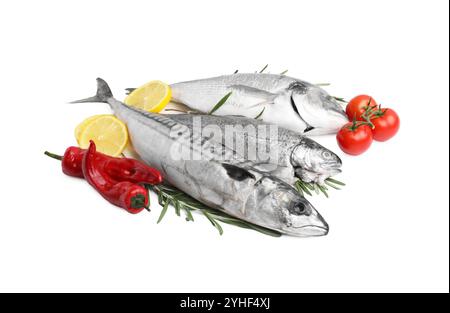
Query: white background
[389,226]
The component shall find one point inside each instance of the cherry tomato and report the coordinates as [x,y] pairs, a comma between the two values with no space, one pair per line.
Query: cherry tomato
[386,123]
[358,105]
[355,138]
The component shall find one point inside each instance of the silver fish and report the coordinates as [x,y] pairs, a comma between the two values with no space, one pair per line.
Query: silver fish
[288,102]
[245,193]
[298,156]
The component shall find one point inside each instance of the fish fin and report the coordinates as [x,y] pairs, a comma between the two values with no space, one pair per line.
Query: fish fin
[263,167]
[240,116]
[294,107]
[103,93]
[265,96]
[285,173]
[237,173]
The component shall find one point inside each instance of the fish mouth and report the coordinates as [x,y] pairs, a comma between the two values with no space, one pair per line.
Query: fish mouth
[315,228]
[331,171]
[315,175]
[311,231]
[332,167]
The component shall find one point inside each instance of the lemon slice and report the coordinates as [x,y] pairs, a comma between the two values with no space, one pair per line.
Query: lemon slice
[82,126]
[109,134]
[151,97]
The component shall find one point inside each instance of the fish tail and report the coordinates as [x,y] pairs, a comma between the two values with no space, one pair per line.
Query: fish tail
[103,93]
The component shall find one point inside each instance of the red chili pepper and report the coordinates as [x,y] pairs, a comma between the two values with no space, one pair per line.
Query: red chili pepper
[131,197]
[131,170]
[71,162]
[121,169]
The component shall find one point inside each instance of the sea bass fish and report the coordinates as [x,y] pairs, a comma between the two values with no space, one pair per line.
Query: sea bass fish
[242,192]
[285,101]
[297,156]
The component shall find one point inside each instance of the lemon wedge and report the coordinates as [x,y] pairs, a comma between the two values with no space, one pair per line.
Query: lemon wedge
[151,97]
[82,126]
[107,131]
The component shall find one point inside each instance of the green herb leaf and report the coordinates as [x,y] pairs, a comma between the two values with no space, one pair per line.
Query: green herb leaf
[331,185]
[302,186]
[213,222]
[340,99]
[161,200]
[323,190]
[177,208]
[220,103]
[307,188]
[334,181]
[310,186]
[316,189]
[170,194]
[163,212]
[284,72]
[264,68]
[260,114]
[299,190]
[189,216]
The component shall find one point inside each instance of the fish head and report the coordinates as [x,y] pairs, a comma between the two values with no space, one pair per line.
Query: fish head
[320,111]
[281,207]
[313,162]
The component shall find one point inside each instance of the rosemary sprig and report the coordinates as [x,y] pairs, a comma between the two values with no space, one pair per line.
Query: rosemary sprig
[323,189]
[335,181]
[260,114]
[308,188]
[163,212]
[316,189]
[177,208]
[284,72]
[168,195]
[301,186]
[263,69]
[220,103]
[299,190]
[340,99]
[331,185]
[189,217]
[213,222]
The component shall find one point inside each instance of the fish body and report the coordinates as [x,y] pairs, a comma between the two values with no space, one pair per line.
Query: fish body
[282,100]
[295,156]
[243,192]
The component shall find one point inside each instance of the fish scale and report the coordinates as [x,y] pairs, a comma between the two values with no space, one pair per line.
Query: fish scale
[295,157]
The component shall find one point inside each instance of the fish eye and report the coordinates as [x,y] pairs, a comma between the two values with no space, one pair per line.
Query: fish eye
[326,155]
[299,209]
